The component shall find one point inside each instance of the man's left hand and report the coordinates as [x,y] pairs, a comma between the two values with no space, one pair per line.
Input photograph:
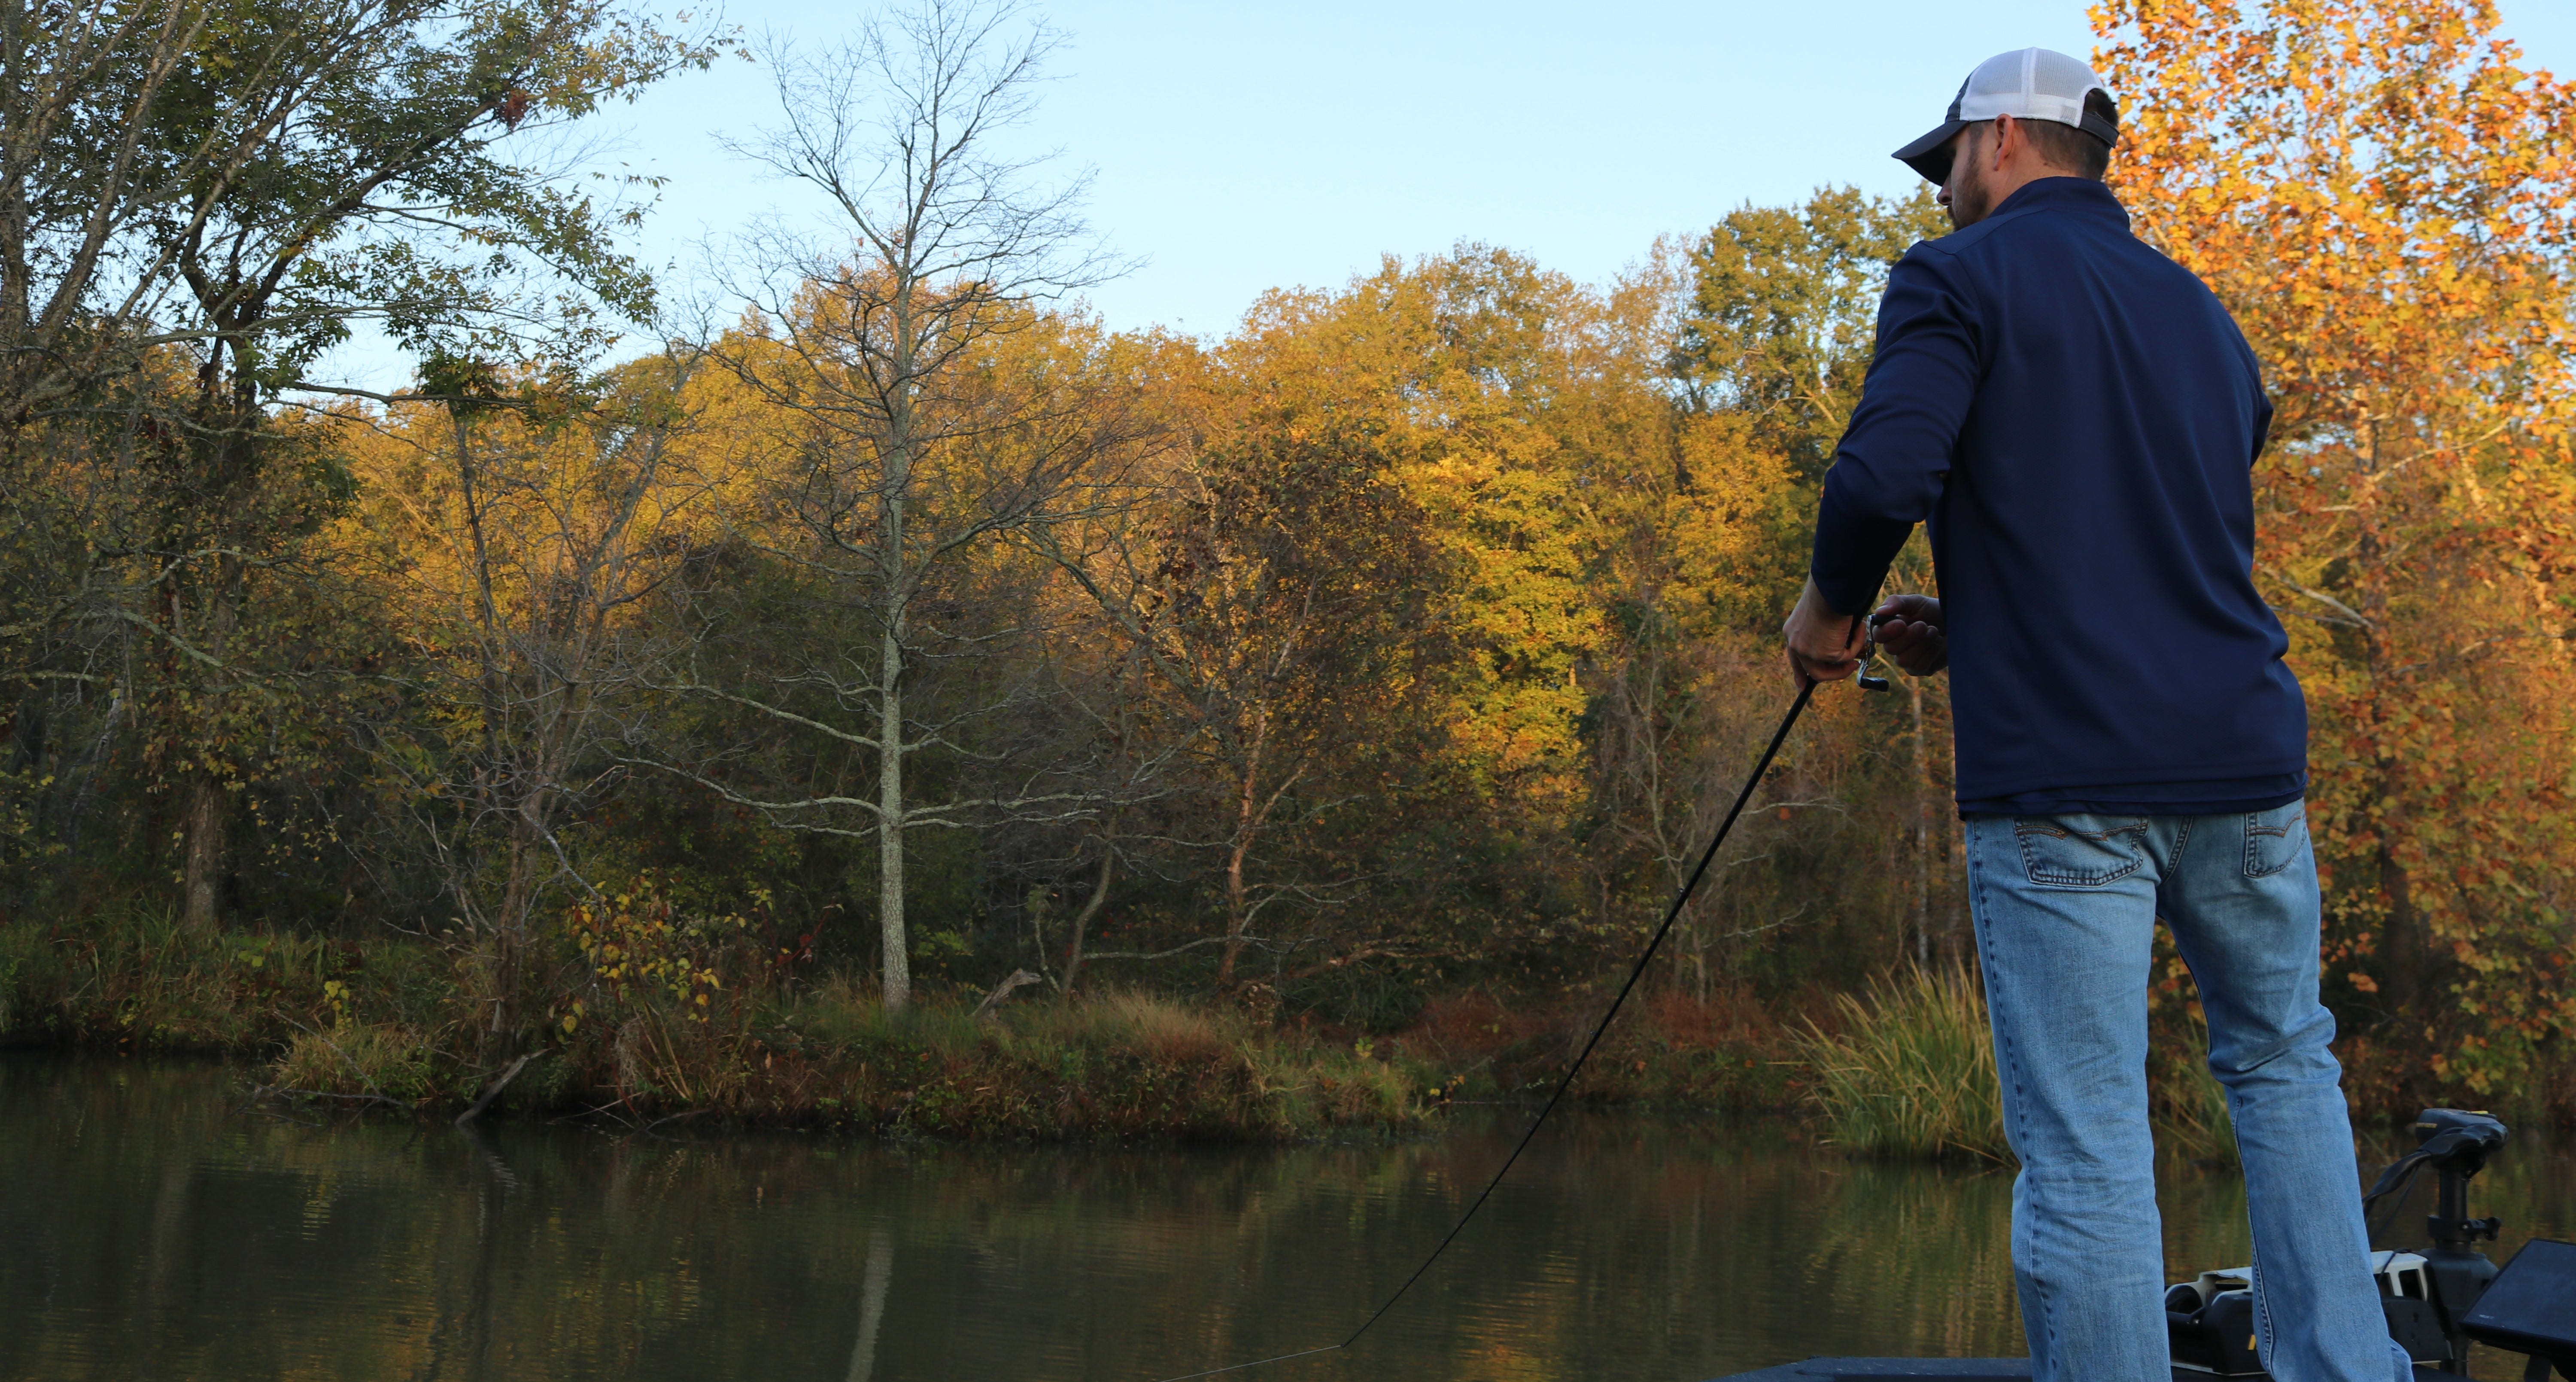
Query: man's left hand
[1911,632]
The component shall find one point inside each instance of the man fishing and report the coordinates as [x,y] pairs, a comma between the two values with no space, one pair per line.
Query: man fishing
[2075,418]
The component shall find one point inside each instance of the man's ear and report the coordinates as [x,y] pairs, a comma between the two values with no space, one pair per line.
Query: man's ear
[2009,139]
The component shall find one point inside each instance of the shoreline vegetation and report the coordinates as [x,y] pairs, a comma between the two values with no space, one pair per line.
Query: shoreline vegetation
[387,1022]
[1903,1069]
[663,713]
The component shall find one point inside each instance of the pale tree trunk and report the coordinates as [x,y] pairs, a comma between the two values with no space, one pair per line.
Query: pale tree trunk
[1238,911]
[948,247]
[894,595]
[1922,832]
[890,926]
[1090,912]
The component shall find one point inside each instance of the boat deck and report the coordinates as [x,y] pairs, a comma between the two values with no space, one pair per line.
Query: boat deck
[1945,1369]
[1959,1370]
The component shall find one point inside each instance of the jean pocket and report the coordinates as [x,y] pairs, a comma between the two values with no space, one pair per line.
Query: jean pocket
[2080,851]
[2274,838]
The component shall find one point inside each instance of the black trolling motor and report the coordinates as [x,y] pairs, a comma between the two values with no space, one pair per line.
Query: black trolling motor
[2438,1298]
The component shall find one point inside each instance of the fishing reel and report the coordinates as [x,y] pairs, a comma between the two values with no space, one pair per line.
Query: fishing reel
[1869,652]
[2437,1300]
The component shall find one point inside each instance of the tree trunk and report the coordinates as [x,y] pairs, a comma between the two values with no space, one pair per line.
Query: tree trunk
[1238,912]
[208,819]
[1238,916]
[2401,942]
[204,825]
[1090,910]
[2401,948]
[1922,832]
[510,944]
[890,926]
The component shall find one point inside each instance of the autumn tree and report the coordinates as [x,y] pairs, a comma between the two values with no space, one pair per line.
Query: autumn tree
[1280,618]
[915,441]
[1782,307]
[520,526]
[2381,194]
[1769,343]
[200,202]
[387,120]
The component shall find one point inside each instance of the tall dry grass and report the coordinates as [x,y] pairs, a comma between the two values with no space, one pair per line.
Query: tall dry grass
[1909,1068]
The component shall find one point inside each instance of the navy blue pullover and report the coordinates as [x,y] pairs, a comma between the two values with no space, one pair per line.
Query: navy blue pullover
[2076,417]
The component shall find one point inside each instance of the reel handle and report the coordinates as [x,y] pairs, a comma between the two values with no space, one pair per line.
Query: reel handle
[1869,653]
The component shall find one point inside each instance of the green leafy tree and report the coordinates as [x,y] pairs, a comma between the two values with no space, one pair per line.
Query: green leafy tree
[206,200]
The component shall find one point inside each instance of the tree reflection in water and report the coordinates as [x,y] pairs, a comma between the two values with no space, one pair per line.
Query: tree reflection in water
[151,1225]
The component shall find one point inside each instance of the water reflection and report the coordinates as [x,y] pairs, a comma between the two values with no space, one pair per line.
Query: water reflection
[152,1227]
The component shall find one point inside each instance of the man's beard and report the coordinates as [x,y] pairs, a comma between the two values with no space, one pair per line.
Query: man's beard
[1969,202]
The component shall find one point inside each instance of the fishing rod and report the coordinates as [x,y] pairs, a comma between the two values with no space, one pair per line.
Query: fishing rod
[1806,692]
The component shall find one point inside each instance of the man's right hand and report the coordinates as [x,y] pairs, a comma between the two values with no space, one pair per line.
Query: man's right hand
[1824,644]
[1910,631]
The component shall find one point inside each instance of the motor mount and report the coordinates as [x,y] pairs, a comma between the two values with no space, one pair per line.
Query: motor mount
[2430,1297]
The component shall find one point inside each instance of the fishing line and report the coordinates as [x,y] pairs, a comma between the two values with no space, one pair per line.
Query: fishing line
[1564,1082]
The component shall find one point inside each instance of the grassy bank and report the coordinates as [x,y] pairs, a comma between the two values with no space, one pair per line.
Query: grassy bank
[390,1022]
[654,1022]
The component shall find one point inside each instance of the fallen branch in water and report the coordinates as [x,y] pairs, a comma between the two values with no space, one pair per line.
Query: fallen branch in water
[493,1090]
[674,1118]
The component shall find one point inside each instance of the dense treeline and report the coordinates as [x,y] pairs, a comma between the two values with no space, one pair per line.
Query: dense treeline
[1381,663]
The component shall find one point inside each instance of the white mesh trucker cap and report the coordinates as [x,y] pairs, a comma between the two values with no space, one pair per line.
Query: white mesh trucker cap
[2028,84]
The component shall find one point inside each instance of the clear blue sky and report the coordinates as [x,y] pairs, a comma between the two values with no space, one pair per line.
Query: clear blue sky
[1244,146]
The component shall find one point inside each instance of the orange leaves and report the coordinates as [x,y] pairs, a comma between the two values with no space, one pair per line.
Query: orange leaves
[2380,192]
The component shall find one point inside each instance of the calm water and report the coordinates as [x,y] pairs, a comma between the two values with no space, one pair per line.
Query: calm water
[152,1226]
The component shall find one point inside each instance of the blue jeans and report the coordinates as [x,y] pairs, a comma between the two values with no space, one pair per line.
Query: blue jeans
[2066,909]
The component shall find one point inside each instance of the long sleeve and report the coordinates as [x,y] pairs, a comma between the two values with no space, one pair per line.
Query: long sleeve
[1894,457]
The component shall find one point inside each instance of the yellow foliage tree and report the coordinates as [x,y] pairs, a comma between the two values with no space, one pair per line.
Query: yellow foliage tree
[2380,191]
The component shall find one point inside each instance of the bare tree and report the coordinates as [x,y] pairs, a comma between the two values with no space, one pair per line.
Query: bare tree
[1276,613]
[1679,720]
[528,546]
[915,446]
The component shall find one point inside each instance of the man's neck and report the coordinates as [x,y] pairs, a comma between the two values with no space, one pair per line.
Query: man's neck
[2009,181]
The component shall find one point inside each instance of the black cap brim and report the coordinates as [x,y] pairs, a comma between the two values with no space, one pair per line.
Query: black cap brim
[1930,155]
